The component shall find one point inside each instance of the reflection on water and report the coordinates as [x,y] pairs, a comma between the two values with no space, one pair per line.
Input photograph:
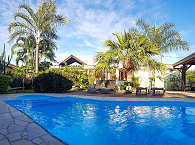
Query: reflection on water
[101,123]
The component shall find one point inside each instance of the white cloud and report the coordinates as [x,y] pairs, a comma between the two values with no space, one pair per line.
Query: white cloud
[92,21]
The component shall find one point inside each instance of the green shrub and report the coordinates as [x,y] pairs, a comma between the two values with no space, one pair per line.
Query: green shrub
[135,81]
[16,82]
[77,75]
[51,83]
[4,82]
[123,86]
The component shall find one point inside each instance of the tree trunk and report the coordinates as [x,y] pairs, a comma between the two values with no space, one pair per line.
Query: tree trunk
[37,55]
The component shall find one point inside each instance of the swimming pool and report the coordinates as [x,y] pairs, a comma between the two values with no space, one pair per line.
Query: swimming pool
[79,121]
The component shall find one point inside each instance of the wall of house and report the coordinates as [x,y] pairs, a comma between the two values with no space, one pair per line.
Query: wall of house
[159,82]
[143,78]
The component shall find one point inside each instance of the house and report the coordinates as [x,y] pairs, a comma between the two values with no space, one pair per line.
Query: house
[121,74]
[72,61]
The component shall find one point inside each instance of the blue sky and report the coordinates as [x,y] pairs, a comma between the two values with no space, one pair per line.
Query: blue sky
[94,21]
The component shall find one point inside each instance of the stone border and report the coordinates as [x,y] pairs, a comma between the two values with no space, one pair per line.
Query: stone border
[17,128]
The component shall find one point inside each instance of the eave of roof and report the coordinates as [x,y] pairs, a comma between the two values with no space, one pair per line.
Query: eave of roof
[189,60]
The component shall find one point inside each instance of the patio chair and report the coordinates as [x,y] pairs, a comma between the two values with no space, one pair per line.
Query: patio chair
[140,89]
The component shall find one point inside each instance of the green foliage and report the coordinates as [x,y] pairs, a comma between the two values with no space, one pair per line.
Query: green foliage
[17,82]
[106,62]
[77,75]
[49,82]
[135,81]
[4,82]
[91,78]
[174,82]
[23,71]
[133,49]
[165,36]
[190,75]
[43,66]
[123,86]
[24,75]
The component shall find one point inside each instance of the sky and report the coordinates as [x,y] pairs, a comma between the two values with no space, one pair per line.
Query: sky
[92,22]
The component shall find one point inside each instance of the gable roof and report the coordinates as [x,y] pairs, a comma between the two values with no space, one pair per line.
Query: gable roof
[71,59]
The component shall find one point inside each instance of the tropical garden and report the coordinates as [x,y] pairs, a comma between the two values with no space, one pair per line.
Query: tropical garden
[33,36]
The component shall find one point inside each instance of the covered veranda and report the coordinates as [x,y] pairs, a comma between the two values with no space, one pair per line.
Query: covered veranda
[183,65]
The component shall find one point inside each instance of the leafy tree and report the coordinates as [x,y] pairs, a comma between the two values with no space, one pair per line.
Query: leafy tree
[38,24]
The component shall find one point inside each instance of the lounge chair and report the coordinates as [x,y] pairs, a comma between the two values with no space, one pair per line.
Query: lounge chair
[153,90]
[92,90]
[140,89]
[106,91]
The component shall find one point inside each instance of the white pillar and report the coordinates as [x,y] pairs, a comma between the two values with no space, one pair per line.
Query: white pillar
[117,76]
[108,76]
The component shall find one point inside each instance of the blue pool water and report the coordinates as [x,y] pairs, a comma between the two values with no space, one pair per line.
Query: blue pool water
[88,122]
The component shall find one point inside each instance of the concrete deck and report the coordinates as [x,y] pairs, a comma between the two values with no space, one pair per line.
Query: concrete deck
[16,128]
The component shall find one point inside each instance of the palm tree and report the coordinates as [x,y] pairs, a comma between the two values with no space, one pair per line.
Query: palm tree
[37,24]
[133,49]
[106,62]
[25,50]
[165,36]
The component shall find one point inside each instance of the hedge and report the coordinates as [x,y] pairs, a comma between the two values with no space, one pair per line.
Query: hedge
[4,82]
[49,82]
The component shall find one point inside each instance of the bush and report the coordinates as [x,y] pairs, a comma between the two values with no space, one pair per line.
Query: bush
[50,82]
[4,82]
[123,86]
[135,81]
[16,82]
[77,75]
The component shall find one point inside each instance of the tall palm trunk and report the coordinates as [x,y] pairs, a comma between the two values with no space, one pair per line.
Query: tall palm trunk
[37,55]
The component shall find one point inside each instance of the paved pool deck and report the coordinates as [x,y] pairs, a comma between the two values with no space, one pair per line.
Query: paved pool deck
[16,128]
